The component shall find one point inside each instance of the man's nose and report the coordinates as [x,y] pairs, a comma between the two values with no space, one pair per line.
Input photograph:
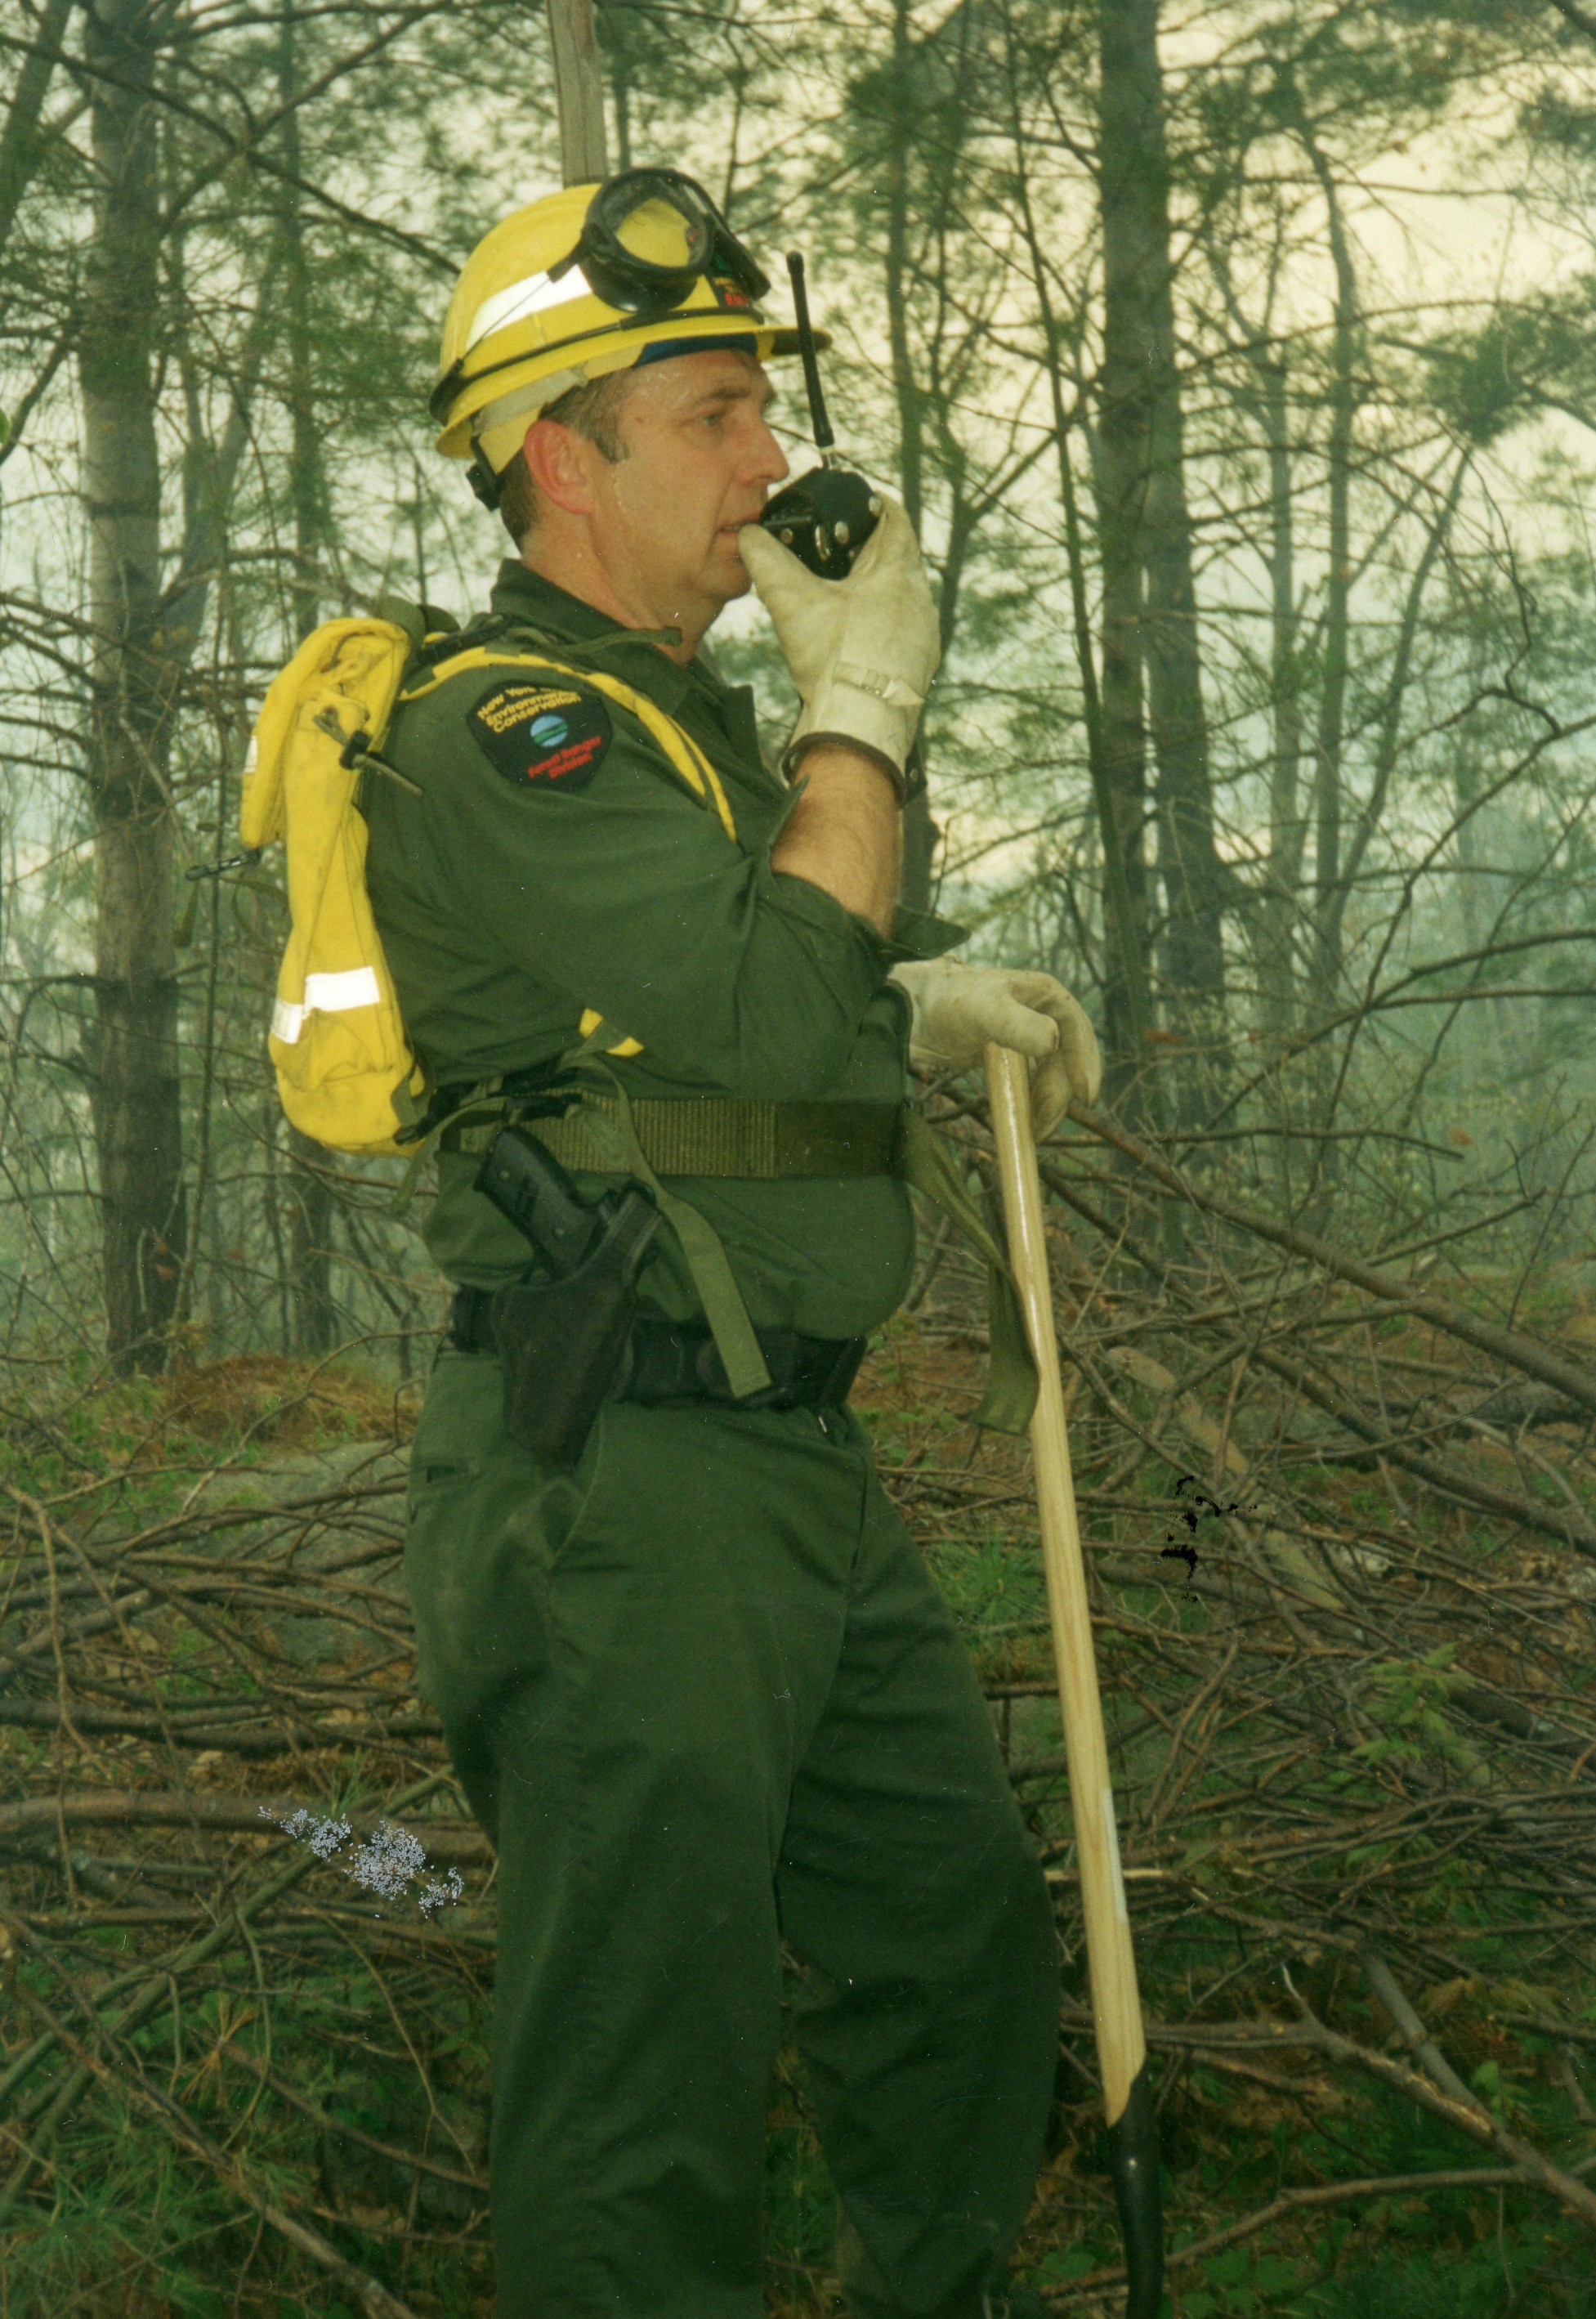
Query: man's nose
[771,460]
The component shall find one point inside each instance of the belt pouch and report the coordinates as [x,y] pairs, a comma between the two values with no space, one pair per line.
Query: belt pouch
[561,1343]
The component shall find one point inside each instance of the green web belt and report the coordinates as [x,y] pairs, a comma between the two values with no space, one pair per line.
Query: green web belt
[713,1136]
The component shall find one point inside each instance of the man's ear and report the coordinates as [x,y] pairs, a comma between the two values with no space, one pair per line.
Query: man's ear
[559,461]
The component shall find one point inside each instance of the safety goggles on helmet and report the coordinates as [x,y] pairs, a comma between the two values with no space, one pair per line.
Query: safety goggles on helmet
[649,235]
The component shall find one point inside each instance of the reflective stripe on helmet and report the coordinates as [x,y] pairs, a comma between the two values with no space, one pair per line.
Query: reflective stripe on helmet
[533,296]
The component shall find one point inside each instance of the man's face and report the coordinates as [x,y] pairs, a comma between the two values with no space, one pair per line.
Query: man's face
[699,464]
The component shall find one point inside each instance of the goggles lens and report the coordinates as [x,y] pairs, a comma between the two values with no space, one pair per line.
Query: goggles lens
[662,235]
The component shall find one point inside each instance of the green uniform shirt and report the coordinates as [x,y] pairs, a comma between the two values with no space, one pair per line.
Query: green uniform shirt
[511,900]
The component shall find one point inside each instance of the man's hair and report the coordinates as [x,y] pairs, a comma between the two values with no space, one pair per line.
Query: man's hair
[592,410]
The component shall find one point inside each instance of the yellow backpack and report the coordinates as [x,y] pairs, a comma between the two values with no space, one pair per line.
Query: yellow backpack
[347,1073]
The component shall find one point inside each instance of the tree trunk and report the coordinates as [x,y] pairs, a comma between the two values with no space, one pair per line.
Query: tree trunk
[1124,958]
[138,1128]
[1332,706]
[1189,867]
[22,143]
[1371,815]
[1288,827]
[309,1247]
[906,387]
[1124,431]
[310,1194]
[578,91]
[1480,885]
[920,835]
[1135,196]
[620,86]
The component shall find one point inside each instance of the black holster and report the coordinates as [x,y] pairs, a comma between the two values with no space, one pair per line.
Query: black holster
[561,1342]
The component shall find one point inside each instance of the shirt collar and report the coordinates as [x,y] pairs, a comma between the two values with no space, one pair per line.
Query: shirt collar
[523,594]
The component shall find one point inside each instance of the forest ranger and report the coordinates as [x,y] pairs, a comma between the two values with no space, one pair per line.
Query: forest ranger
[694,1677]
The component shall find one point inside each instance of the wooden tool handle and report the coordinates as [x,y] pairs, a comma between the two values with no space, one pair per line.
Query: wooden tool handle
[1116,2005]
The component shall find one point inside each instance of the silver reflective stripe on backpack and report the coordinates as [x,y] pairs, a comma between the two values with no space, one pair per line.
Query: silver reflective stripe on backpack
[326,994]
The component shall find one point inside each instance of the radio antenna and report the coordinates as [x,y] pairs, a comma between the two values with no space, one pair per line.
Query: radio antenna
[819,422]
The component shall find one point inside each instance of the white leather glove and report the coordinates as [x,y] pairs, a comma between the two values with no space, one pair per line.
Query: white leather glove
[861,651]
[959,1010]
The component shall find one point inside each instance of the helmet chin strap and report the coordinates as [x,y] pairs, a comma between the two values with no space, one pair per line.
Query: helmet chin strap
[483,481]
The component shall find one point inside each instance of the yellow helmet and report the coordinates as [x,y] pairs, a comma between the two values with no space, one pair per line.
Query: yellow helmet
[582,282]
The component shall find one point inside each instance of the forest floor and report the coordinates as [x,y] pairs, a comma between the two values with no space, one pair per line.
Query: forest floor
[1353,1725]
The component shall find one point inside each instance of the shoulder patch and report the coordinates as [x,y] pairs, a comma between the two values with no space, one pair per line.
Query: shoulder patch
[542,735]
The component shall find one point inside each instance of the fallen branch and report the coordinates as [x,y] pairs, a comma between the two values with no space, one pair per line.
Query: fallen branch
[1520,1352]
[1293,2202]
[1467,1489]
[43,1715]
[1468,2114]
[453,1842]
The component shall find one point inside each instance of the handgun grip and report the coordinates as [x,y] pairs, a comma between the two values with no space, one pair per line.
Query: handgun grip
[532,1191]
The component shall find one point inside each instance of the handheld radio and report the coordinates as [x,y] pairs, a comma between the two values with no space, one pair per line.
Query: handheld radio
[828,514]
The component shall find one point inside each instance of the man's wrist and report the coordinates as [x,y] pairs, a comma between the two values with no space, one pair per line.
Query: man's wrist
[792,766]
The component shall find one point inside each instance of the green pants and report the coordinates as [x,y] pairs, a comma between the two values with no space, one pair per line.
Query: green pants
[706,1699]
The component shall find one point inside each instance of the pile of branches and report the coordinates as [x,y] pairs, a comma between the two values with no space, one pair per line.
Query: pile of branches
[1343,1558]
[1342,1543]
[223,1790]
